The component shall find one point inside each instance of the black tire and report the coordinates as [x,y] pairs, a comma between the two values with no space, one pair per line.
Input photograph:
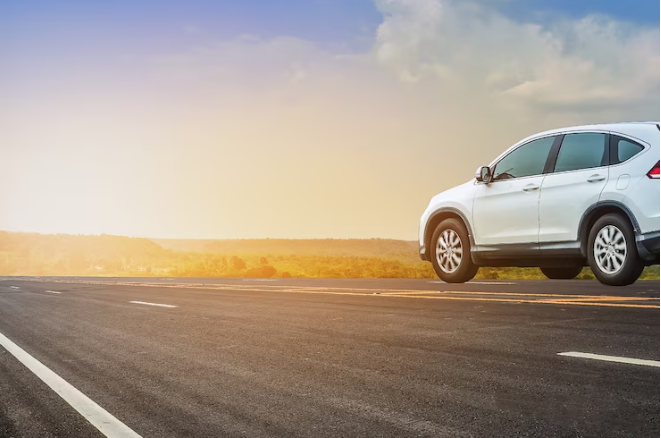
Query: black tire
[562,273]
[464,270]
[611,251]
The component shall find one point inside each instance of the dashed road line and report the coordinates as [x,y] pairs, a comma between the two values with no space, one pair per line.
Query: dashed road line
[92,412]
[52,292]
[618,359]
[152,304]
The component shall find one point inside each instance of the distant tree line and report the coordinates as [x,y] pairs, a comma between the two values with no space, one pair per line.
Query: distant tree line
[105,255]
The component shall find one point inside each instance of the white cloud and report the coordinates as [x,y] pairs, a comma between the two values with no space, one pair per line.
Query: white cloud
[441,51]
[591,62]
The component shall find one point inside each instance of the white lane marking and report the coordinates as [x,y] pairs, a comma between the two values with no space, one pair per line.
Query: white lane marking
[152,304]
[52,292]
[619,359]
[14,287]
[95,414]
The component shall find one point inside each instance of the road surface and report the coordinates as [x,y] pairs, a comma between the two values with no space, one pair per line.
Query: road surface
[327,358]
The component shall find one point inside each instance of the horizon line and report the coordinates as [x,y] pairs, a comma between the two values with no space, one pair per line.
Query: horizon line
[204,238]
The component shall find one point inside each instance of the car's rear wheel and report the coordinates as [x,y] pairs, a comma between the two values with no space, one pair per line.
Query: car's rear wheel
[451,255]
[612,251]
[562,273]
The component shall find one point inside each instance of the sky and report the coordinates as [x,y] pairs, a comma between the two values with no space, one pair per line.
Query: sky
[293,119]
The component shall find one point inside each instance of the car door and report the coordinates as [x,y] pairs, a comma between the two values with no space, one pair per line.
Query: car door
[506,210]
[579,175]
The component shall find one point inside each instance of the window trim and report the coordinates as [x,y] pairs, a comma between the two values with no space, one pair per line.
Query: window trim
[556,151]
[553,154]
[493,165]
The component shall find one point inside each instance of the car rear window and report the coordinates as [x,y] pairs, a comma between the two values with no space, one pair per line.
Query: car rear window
[626,149]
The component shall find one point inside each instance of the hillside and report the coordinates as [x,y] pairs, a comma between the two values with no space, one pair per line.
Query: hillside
[106,255]
[301,247]
[63,254]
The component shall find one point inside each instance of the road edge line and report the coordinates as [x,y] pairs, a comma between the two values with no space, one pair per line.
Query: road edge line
[105,422]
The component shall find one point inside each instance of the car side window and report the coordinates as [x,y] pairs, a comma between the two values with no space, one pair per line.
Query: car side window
[625,149]
[526,160]
[582,151]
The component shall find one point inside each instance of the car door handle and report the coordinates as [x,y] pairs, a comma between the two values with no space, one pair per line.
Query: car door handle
[530,187]
[596,178]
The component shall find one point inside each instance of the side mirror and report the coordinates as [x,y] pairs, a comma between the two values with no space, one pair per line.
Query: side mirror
[483,174]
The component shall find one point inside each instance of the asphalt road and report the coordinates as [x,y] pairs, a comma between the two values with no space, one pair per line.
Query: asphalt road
[331,358]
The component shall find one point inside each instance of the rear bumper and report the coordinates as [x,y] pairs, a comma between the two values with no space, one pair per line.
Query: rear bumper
[648,246]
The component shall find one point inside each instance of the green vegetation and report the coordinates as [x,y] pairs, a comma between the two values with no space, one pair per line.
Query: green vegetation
[116,256]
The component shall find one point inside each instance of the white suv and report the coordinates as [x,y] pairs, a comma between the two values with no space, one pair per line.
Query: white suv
[558,200]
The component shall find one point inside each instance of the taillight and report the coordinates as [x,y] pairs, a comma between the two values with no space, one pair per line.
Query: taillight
[654,173]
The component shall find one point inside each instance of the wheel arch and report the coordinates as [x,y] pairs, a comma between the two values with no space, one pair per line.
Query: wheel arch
[439,216]
[595,212]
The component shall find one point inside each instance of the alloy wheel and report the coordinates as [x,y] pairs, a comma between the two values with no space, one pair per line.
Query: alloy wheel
[449,251]
[610,249]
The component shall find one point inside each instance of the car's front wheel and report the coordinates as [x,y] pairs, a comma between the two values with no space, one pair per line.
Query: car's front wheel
[612,251]
[451,255]
[562,273]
